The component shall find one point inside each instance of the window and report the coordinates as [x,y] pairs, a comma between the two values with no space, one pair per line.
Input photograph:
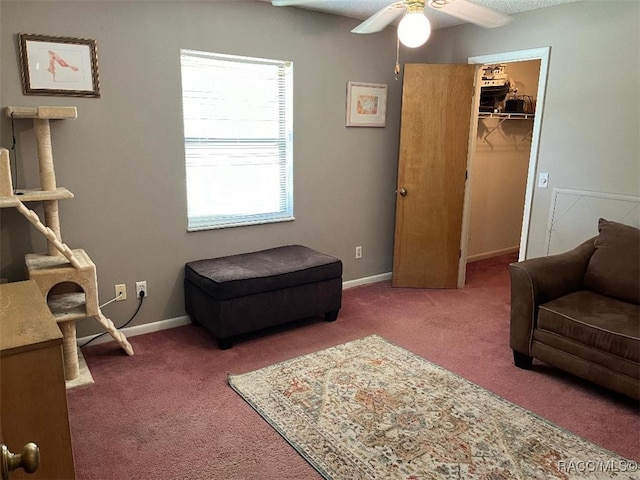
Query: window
[238,133]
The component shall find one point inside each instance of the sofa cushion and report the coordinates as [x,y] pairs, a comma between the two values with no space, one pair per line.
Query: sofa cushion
[263,271]
[597,321]
[614,268]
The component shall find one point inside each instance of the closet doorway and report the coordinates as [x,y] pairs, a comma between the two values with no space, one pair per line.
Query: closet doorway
[503,163]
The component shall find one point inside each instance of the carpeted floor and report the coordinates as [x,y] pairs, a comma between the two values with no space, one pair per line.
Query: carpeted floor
[167,412]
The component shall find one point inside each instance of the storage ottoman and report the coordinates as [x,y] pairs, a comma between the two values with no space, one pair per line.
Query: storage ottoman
[244,293]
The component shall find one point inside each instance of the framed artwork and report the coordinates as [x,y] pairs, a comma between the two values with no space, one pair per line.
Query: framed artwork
[63,66]
[366,104]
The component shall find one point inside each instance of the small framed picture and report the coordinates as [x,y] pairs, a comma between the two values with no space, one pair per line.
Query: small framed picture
[366,104]
[62,66]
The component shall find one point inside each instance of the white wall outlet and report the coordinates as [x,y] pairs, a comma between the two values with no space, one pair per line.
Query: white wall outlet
[543,180]
[359,252]
[141,287]
[121,292]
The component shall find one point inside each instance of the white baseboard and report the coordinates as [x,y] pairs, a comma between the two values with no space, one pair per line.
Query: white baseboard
[185,320]
[140,329]
[495,253]
[366,280]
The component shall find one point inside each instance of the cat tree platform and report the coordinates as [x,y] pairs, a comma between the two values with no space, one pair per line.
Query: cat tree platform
[42,113]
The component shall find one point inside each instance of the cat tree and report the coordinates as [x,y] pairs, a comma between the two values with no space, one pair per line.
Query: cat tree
[59,266]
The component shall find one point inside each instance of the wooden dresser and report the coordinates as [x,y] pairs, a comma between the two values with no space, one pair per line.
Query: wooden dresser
[33,399]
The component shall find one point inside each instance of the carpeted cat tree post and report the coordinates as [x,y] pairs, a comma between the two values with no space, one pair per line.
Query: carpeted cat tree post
[60,266]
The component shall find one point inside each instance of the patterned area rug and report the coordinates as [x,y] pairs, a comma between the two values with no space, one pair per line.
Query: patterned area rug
[370,409]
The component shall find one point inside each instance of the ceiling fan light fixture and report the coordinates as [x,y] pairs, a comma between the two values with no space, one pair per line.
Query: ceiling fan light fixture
[414,29]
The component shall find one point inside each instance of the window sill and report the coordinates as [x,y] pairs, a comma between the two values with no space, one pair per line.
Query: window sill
[243,224]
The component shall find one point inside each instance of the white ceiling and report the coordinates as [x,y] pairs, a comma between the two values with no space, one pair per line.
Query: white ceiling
[363,9]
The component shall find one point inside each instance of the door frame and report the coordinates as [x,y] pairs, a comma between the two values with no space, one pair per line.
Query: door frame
[542,54]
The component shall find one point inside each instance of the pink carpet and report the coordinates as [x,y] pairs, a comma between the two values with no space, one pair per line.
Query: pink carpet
[167,412]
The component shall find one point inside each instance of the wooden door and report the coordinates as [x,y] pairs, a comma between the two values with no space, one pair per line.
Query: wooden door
[434,142]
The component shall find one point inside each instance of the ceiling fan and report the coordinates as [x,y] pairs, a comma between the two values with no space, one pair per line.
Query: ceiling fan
[414,28]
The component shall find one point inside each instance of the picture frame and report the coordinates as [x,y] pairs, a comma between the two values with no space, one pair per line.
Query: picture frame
[59,66]
[366,104]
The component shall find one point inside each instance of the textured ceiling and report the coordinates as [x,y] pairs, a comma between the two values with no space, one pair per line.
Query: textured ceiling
[363,9]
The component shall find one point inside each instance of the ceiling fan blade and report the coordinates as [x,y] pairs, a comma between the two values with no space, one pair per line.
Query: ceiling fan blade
[379,20]
[474,13]
[290,3]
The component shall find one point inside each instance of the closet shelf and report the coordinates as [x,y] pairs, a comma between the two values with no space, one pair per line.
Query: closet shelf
[507,116]
[502,117]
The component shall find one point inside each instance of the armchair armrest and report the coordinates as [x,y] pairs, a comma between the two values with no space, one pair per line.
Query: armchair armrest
[540,280]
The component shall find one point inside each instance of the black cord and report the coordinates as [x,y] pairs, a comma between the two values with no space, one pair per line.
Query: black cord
[15,161]
[119,328]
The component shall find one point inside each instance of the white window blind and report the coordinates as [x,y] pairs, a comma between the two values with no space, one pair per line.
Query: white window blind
[238,132]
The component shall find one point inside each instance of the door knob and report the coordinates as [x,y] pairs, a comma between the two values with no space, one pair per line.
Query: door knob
[29,459]
[403,192]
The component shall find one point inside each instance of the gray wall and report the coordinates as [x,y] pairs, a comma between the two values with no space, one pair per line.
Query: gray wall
[590,125]
[123,156]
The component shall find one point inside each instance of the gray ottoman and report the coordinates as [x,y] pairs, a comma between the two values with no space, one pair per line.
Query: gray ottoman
[244,293]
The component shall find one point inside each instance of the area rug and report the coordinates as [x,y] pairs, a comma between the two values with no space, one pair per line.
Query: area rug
[369,409]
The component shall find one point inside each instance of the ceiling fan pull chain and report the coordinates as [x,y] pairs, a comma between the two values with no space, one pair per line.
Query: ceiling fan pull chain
[397,69]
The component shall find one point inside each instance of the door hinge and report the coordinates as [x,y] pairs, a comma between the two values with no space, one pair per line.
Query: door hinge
[460,253]
[466,174]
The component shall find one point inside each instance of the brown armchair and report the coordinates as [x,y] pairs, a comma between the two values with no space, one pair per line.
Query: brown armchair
[579,311]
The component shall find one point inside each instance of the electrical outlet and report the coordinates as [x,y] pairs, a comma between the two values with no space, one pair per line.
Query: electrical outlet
[141,287]
[121,292]
[359,252]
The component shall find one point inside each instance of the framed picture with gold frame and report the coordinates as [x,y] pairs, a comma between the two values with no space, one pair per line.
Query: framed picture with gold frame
[63,66]
[366,104]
